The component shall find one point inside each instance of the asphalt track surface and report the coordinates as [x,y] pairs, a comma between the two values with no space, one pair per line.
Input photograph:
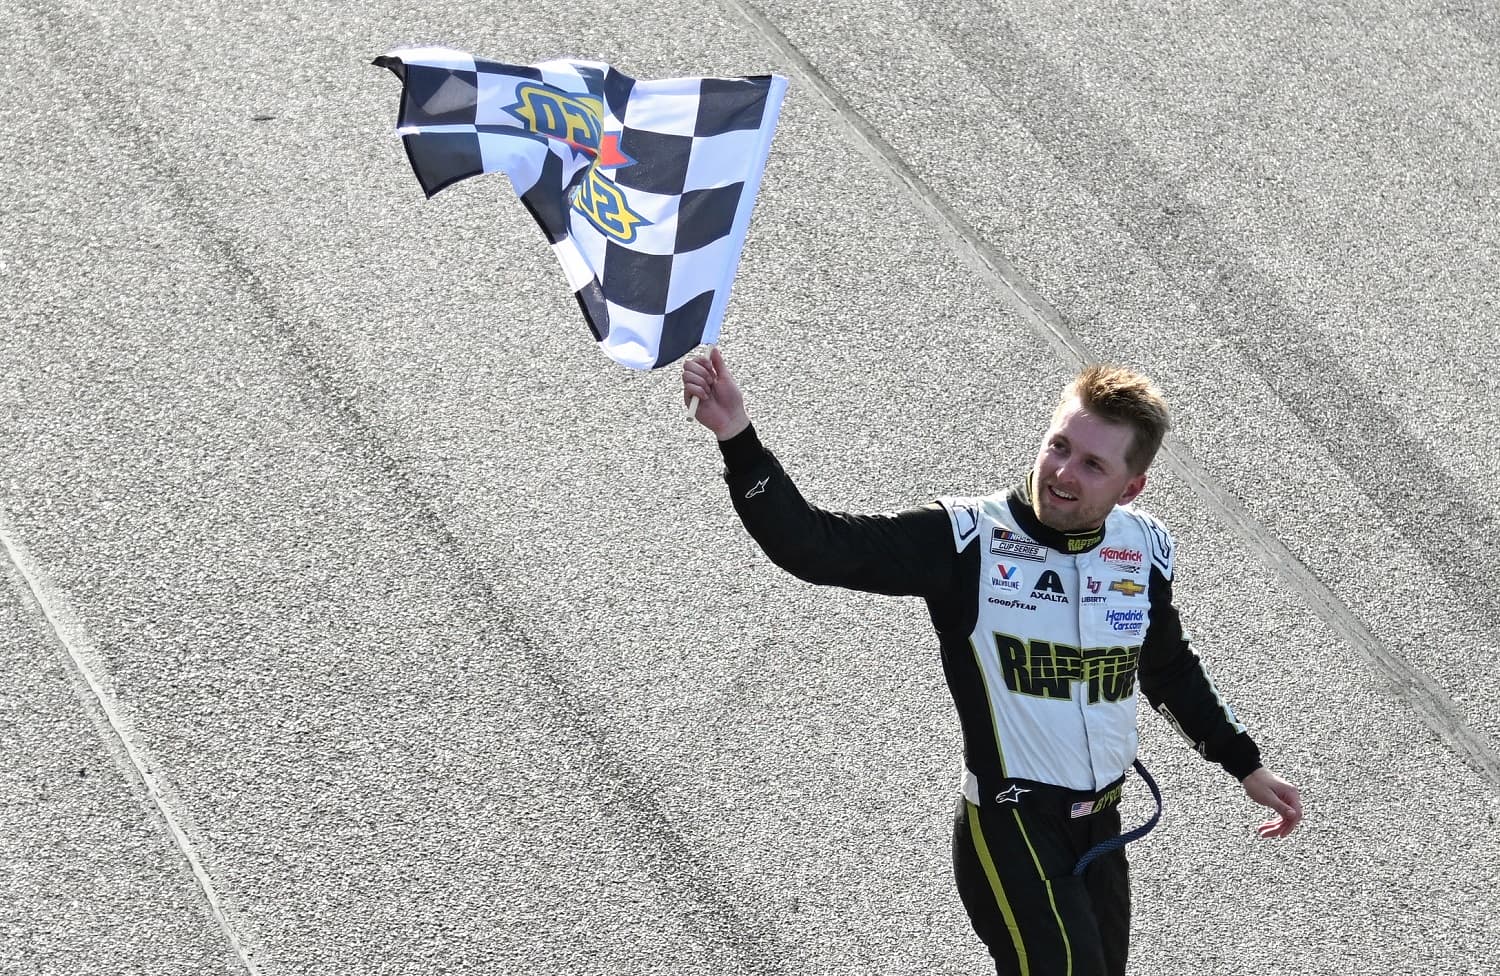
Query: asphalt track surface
[360,617]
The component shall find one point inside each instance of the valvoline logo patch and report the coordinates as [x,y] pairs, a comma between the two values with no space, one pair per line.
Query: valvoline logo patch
[578,121]
[1006,576]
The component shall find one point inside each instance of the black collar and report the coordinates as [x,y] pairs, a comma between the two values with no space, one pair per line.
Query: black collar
[1070,543]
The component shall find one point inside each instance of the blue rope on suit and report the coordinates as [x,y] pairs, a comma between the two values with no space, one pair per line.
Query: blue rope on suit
[1115,843]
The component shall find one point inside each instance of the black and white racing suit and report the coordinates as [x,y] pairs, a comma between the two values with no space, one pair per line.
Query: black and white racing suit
[1043,636]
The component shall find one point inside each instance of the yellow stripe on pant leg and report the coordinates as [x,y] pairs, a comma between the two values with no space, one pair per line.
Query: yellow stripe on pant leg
[1061,928]
[988,863]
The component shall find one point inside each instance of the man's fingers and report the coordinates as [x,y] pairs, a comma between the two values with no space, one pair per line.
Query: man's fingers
[1284,824]
[1282,798]
[1289,803]
[699,371]
[1277,828]
[1273,829]
[1290,815]
[697,378]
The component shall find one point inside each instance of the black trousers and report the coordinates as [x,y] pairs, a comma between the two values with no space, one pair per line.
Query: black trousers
[1014,869]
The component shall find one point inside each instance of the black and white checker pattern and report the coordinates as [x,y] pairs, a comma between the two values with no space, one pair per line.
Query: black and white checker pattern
[698,147]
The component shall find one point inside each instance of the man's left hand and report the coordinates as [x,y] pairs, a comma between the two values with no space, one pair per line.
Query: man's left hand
[1270,790]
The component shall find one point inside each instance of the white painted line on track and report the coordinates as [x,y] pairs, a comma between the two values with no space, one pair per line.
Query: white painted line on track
[1426,698]
[73,639]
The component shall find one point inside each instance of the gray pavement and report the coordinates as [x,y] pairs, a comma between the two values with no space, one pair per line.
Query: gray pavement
[93,882]
[437,632]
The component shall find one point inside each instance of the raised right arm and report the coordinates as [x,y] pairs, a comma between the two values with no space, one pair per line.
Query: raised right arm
[907,553]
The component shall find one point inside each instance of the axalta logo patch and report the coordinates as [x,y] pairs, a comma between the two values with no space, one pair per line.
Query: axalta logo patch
[1049,586]
[1127,587]
[578,121]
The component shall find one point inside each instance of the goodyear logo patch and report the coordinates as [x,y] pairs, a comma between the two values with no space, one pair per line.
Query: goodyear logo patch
[578,121]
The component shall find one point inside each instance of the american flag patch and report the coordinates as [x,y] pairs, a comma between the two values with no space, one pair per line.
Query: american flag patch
[1082,809]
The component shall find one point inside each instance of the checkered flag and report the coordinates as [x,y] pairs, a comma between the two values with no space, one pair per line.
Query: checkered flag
[643,188]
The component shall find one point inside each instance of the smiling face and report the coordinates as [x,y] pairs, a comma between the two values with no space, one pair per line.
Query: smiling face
[1081,473]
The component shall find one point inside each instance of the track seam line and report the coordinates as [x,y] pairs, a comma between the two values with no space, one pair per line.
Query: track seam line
[1431,703]
[71,636]
[647,832]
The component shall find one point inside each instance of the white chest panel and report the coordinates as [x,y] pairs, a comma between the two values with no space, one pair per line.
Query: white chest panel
[1057,641]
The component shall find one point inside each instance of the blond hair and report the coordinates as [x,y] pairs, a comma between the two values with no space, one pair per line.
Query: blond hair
[1123,396]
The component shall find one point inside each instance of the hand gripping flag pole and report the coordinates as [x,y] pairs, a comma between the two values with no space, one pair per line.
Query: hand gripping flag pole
[1115,843]
[644,189]
[692,407]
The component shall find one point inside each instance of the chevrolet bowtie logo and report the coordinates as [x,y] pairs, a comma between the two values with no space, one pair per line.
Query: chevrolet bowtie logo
[1127,587]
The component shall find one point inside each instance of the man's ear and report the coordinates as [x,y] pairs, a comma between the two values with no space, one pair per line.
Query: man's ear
[1133,488]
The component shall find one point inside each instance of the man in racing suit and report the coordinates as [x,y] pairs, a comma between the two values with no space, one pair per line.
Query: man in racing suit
[1050,601]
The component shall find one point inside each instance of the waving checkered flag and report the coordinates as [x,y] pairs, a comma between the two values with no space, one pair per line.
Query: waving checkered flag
[643,188]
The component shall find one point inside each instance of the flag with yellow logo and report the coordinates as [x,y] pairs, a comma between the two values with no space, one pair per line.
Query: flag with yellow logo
[643,188]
